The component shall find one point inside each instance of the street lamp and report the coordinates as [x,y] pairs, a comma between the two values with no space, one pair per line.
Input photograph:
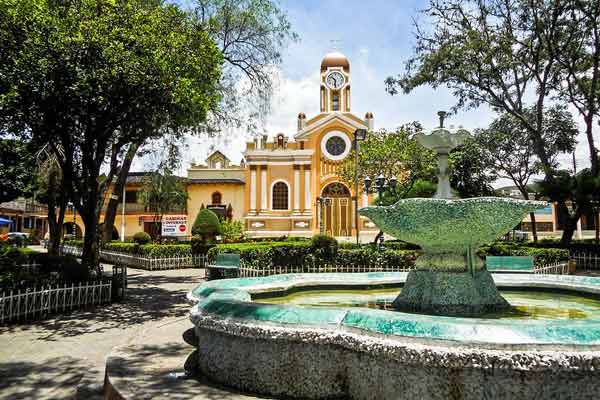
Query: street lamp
[359,136]
[73,231]
[381,185]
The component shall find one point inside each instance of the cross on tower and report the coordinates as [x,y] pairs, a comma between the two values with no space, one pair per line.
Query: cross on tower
[335,44]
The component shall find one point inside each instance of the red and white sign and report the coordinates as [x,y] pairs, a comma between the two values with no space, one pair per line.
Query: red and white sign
[174,225]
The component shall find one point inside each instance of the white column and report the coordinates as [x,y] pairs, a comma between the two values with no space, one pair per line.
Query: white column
[365,200]
[263,189]
[253,190]
[297,189]
[307,194]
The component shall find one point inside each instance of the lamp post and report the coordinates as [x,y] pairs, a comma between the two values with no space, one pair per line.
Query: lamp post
[381,185]
[359,136]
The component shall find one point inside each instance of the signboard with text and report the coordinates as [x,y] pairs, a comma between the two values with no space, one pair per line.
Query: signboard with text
[174,225]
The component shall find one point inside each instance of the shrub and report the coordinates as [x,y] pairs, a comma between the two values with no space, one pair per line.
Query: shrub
[199,246]
[206,225]
[141,238]
[299,254]
[232,231]
[324,247]
[68,268]
[542,256]
[150,250]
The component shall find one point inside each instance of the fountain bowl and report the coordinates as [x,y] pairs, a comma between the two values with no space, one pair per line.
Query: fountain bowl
[450,225]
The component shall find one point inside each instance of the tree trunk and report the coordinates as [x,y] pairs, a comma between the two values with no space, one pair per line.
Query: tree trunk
[55,222]
[533,227]
[90,255]
[117,190]
[570,222]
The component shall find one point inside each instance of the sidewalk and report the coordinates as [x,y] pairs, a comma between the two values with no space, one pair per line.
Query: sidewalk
[50,358]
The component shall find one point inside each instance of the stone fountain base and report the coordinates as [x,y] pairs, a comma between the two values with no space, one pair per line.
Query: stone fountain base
[450,293]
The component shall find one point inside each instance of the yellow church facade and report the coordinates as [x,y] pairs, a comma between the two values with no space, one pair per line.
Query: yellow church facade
[290,181]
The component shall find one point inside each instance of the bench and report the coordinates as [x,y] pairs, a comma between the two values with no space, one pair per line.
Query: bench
[224,266]
[515,264]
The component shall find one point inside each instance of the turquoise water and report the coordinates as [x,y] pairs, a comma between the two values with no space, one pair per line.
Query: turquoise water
[527,305]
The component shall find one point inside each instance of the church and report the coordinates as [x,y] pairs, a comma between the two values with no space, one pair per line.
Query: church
[289,185]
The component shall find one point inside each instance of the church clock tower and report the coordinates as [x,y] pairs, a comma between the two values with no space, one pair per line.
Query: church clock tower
[335,83]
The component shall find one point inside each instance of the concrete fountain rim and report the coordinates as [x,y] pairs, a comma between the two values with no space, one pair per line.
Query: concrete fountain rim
[227,303]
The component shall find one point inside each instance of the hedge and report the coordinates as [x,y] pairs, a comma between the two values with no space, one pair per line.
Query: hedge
[150,250]
[542,256]
[299,253]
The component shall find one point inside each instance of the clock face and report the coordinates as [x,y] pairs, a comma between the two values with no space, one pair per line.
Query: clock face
[335,80]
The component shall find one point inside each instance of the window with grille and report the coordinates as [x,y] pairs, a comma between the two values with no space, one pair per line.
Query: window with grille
[280,196]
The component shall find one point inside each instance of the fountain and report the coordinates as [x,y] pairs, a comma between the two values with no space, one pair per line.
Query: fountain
[449,279]
[272,335]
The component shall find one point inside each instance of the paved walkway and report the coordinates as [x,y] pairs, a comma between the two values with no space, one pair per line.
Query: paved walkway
[51,358]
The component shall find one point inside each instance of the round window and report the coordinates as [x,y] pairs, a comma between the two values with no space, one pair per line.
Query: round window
[335,145]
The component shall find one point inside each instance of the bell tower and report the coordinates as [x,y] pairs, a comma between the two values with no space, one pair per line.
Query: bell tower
[335,83]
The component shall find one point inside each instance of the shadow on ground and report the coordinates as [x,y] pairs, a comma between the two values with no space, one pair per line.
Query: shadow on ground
[150,298]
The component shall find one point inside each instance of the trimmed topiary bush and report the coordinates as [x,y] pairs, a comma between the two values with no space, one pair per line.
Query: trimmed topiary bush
[141,238]
[206,225]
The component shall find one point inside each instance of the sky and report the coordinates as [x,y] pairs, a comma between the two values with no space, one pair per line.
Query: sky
[377,36]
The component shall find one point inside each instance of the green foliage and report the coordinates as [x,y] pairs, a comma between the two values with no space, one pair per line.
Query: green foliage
[392,154]
[470,173]
[94,76]
[206,225]
[324,247]
[163,192]
[141,238]
[542,256]
[200,246]
[232,231]
[300,254]
[17,169]
[150,250]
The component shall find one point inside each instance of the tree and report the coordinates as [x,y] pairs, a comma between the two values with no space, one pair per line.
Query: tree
[17,169]
[470,175]
[206,225]
[397,154]
[507,53]
[251,35]
[392,154]
[92,77]
[163,192]
[507,147]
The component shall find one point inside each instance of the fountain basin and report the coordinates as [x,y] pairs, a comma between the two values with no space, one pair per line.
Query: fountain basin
[359,353]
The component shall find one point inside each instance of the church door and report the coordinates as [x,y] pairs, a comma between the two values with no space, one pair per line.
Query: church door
[337,210]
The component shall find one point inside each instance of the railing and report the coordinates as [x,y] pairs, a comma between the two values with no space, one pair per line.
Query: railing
[149,263]
[252,271]
[36,303]
[557,269]
[153,263]
[586,260]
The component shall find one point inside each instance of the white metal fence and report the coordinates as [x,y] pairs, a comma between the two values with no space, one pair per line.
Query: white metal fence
[149,263]
[252,271]
[557,269]
[38,302]
[586,260]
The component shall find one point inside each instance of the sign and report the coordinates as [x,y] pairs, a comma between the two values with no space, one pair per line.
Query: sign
[174,225]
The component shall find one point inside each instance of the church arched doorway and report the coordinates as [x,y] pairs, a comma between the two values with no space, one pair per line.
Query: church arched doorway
[336,210]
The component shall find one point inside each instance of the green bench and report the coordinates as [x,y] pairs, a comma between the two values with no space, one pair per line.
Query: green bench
[224,266]
[518,264]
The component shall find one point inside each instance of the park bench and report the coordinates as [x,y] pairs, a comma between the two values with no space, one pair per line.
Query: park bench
[224,266]
[514,264]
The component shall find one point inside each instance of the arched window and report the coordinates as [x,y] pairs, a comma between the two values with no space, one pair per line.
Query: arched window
[280,196]
[216,198]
